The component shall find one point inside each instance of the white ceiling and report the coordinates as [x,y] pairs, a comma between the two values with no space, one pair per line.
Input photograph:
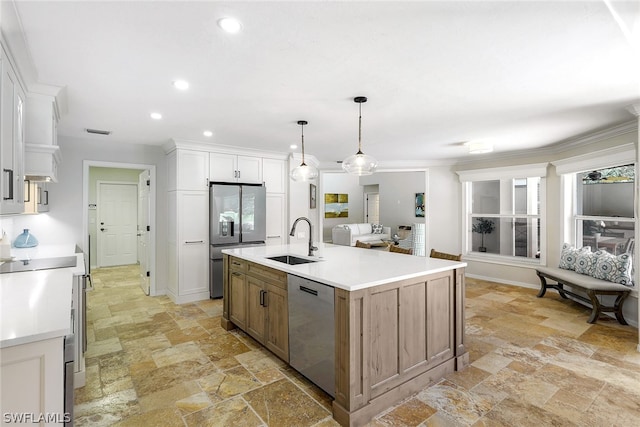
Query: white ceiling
[519,74]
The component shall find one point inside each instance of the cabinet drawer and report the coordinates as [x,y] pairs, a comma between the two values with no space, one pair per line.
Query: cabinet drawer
[275,277]
[237,264]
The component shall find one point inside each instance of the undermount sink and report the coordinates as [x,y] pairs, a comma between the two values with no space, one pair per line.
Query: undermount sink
[291,260]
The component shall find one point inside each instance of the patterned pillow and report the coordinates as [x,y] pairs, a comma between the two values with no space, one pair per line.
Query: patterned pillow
[376,228]
[569,255]
[613,268]
[586,262]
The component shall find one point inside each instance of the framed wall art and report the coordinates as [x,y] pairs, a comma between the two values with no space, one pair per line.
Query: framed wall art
[420,205]
[336,205]
[312,196]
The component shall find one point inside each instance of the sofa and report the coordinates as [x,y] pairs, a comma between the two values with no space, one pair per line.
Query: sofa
[348,234]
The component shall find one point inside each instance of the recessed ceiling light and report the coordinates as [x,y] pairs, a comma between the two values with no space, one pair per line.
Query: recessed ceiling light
[181,84]
[230,25]
[293,146]
[155,116]
[207,133]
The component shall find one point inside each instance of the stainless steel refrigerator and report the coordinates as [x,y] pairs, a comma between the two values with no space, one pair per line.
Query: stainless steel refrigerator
[237,219]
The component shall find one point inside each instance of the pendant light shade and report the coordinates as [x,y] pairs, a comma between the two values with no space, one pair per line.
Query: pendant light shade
[360,163]
[303,172]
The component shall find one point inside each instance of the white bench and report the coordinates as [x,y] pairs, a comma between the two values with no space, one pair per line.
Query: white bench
[592,286]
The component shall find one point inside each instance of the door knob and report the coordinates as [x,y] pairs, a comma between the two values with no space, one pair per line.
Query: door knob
[103,229]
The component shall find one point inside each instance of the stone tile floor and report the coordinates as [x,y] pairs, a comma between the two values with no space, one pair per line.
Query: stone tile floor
[534,362]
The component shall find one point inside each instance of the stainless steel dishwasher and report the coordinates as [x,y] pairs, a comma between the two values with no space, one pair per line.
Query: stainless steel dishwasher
[311,331]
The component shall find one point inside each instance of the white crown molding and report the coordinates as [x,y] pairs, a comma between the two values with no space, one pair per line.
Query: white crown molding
[506,172]
[634,109]
[608,157]
[582,141]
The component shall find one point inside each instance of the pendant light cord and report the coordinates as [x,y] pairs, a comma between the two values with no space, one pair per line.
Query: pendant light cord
[360,129]
[302,128]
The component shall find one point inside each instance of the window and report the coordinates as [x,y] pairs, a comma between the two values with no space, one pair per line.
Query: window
[503,214]
[604,218]
[598,200]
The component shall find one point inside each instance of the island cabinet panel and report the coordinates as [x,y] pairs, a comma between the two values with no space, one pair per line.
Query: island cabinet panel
[277,330]
[440,319]
[462,355]
[384,333]
[393,340]
[256,319]
[256,301]
[413,323]
[238,299]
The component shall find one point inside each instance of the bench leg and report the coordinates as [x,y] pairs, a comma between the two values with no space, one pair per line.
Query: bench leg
[618,308]
[543,285]
[595,313]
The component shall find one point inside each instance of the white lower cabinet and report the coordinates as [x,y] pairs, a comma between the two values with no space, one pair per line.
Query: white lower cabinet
[32,377]
[276,227]
[188,246]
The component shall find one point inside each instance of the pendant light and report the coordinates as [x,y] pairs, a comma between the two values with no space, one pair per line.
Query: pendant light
[303,172]
[360,163]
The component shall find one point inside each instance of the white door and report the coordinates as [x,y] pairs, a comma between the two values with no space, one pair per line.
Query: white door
[117,224]
[143,229]
[372,208]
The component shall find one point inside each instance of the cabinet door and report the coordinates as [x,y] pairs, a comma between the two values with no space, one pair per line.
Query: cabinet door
[11,141]
[255,309]
[277,333]
[192,170]
[250,169]
[193,240]
[223,167]
[42,197]
[274,175]
[276,227]
[238,299]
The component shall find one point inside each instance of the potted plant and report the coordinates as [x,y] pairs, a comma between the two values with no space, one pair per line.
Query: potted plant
[483,226]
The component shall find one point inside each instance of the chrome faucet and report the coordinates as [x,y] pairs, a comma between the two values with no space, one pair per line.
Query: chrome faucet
[293,232]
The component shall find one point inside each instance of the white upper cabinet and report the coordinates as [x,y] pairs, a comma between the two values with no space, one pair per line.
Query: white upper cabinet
[274,175]
[233,168]
[42,120]
[42,154]
[188,170]
[12,107]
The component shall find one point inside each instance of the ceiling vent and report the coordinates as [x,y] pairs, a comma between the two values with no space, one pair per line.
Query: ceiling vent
[98,131]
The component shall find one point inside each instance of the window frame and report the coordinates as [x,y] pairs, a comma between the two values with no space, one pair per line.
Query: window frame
[468,177]
[567,169]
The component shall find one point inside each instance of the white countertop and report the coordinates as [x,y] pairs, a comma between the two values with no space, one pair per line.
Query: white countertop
[36,305]
[346,267]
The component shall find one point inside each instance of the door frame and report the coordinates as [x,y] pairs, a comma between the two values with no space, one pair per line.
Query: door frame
[86,165]
[98,183]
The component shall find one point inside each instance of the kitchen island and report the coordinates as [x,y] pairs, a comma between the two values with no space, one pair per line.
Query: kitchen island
[399,319]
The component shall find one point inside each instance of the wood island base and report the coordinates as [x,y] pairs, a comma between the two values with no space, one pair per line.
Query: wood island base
[391,340]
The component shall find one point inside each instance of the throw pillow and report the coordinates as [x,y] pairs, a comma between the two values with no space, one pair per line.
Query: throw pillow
[613,268]
[569,254]
[376,228]
[586,262]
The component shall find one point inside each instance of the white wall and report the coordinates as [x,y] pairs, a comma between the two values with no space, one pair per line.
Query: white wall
[397,196]
[443,211]
[299,196]
[64,222]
